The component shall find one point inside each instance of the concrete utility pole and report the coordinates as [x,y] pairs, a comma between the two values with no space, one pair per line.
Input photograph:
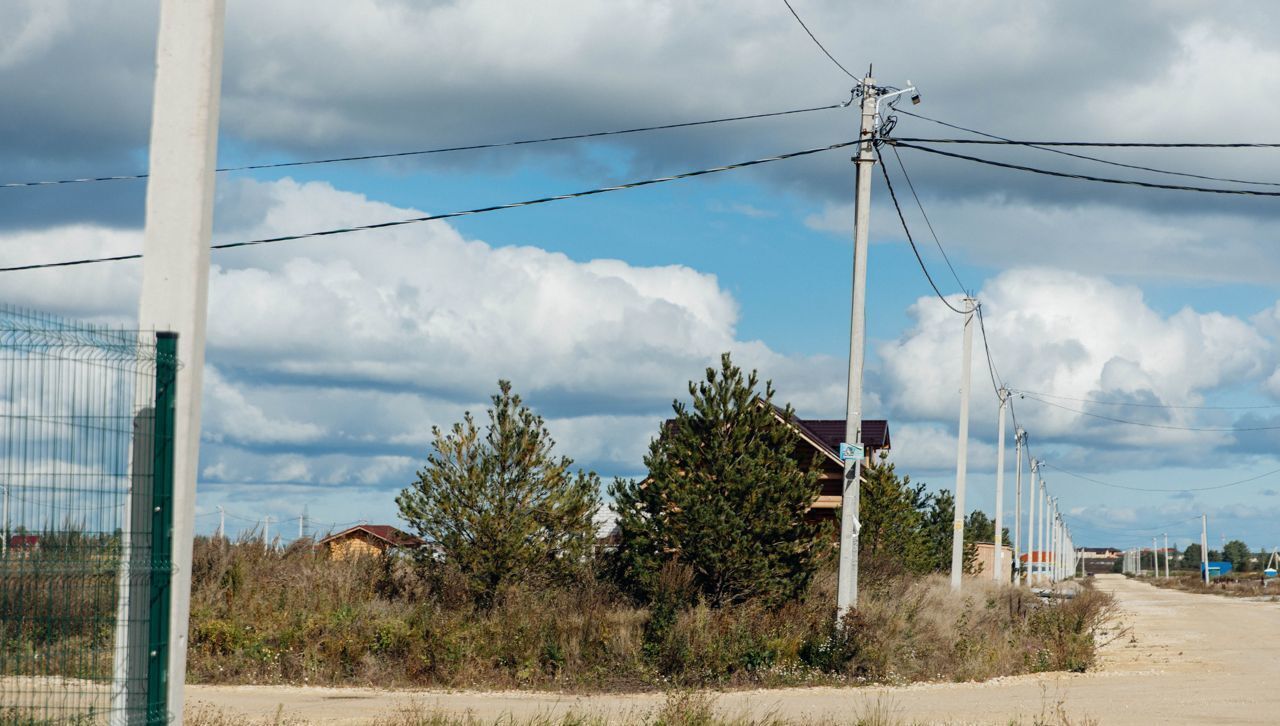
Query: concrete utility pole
[1044,526]
[222,522]
[1166,555]
[1018,436]
[1039,533]
[1054,538]
[266,531]
[847,582]
[962,449]
[4,524]
[1031,524]
[175,280]
[1000,574]
[1204,546]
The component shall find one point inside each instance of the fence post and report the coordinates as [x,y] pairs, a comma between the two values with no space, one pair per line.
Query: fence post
[161,529]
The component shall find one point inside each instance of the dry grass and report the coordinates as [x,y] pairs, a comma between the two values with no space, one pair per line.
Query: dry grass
[1249,584]
[294,617]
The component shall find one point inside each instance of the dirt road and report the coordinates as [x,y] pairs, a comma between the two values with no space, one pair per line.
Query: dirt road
[1190,659]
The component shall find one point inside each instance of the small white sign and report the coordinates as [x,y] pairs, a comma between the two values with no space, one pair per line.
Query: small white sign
[850,452]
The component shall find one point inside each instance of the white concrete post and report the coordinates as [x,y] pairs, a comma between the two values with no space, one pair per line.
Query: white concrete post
[847,574]
[962,449]
[1031,523]
[175,273]
[1000,574]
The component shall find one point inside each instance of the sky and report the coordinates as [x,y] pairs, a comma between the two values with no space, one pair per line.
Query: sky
[331,359]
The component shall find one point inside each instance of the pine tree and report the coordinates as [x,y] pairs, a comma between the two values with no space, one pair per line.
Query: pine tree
[501,508]
[939,525]
[725,498]
[893,540]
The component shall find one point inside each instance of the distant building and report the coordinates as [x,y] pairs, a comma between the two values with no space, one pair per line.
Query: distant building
[985,561]
[23,544]
[1036,565]
[1099,553]
[368,540]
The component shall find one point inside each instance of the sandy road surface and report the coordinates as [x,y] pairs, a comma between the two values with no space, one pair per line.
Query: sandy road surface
[1192,659]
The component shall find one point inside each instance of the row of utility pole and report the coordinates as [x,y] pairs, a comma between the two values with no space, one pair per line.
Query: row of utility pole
[303,524]
[1050,550]
[1131,564]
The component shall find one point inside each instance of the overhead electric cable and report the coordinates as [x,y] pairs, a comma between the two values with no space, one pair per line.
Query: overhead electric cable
[1147,405]
[450,215]
[1082,477]
[928,223]
[923,268]
[997,383]
[1220,429]
[448,149]
[1047,146]
[816,42]
[1083,177]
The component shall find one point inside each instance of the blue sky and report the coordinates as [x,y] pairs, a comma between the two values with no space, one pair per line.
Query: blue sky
[331,359]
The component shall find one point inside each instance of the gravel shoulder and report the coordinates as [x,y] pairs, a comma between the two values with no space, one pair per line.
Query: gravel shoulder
[1175,658]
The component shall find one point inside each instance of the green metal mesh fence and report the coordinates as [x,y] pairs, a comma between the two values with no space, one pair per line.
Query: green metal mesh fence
[86,431]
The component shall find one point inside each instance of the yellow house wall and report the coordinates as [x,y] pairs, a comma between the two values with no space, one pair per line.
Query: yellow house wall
[356,545]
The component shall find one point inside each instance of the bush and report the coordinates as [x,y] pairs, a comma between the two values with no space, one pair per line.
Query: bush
[264,616]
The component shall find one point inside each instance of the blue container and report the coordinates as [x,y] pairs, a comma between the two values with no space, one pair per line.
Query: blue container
[1217,568]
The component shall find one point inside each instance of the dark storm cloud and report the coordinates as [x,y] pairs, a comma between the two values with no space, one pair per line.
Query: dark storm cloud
[303,80]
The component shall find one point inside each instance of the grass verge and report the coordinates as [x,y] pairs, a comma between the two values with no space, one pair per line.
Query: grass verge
[295,617]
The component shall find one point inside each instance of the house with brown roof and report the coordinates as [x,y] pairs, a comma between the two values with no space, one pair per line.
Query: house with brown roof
[824,436]
[368,539]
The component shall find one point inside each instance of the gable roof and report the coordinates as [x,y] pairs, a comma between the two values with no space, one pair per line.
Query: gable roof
[830,432]
[826,435]
[385,532]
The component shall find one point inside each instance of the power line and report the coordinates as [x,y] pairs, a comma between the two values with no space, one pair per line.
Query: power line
[1083,177]
[929,224]
[889,185]
[444,150]
[1147,405]
[816,42]
[450,215]
[1046,146]
[1082,477]
[991,363]
[1152,425]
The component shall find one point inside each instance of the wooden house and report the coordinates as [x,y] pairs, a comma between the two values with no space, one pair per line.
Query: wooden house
[368,540]
[822,437]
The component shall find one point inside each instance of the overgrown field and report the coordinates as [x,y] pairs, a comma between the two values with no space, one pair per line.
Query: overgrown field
[294,616]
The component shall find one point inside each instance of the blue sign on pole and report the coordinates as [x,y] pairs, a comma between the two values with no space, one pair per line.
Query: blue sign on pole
[850,452]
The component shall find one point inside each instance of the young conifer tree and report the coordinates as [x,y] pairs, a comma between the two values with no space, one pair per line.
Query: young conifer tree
[725,498]
[500,508]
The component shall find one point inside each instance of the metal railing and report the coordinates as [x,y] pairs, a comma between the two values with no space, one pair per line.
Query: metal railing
[86,476]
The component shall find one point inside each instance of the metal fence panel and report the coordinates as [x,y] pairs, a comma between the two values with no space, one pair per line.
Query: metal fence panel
[86,428]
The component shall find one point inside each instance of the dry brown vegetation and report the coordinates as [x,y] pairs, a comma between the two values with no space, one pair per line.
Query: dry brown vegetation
[292,616]
[1249,584]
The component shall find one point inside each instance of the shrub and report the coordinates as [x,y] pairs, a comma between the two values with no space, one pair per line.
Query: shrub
[295,617]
